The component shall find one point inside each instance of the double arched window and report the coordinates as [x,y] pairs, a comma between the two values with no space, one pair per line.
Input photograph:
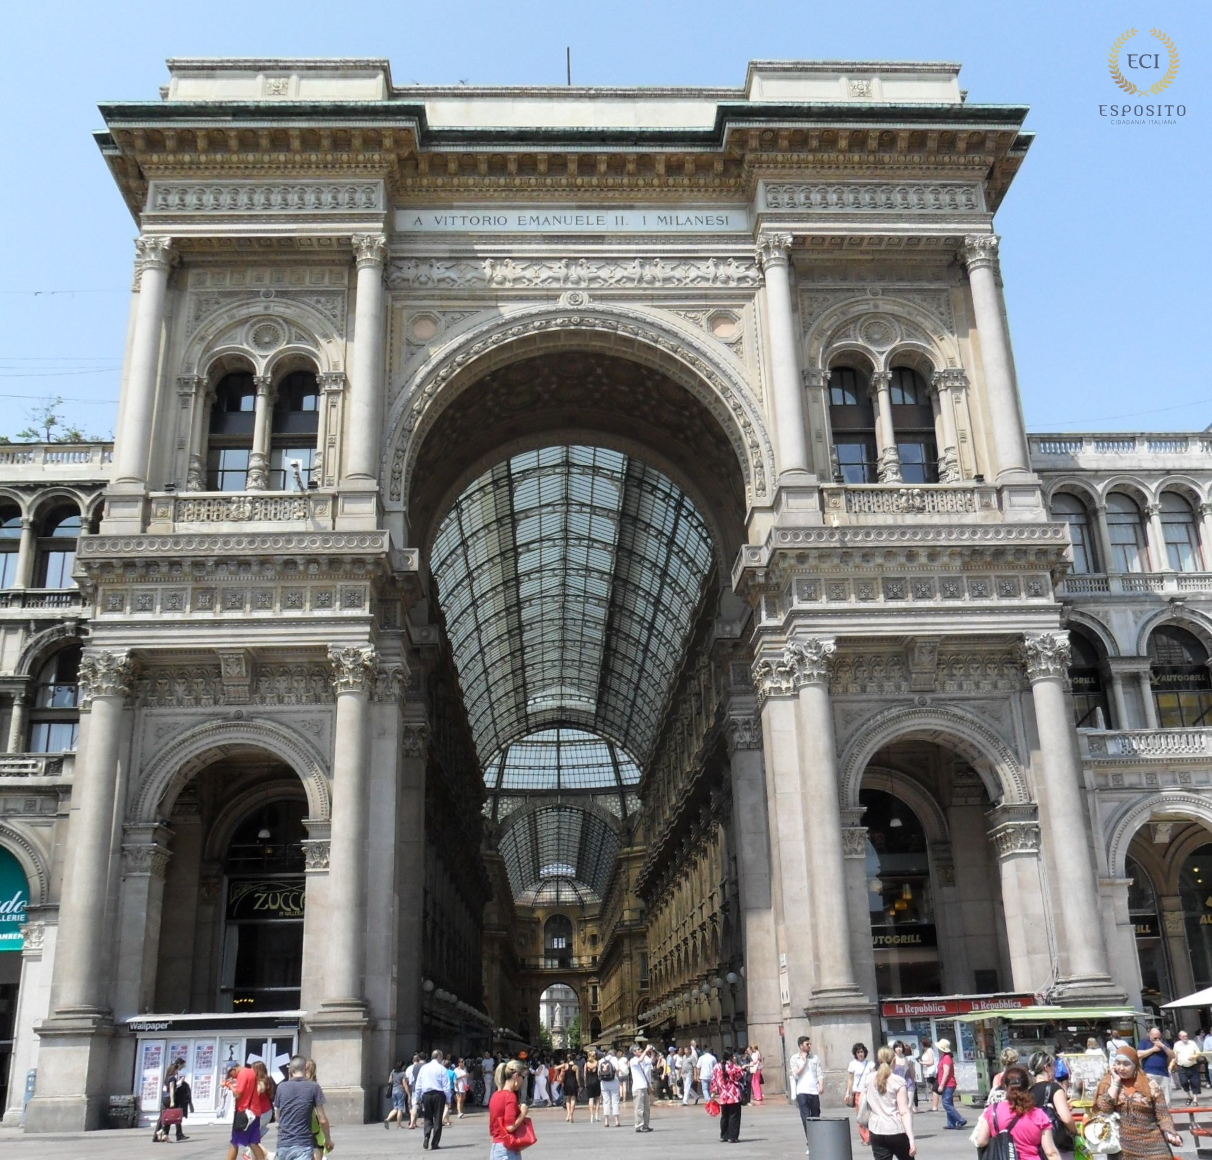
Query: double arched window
[293,439]
[1126,533]
[60,531]
[54,718]
[1178,528]
[913,422]
[231,432]
[1178,674]
[1069,509]
[853,419]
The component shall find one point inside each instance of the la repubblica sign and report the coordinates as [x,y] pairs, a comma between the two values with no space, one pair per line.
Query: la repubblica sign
[14,898]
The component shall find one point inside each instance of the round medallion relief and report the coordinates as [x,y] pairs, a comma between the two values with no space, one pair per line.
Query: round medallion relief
[879,332]
[266,335]
[423,327]
[723,326]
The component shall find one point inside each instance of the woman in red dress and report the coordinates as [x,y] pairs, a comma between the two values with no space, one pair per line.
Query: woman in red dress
[505,1114]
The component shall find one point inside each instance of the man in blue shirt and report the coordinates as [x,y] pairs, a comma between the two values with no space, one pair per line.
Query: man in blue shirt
[1155,1055]
[432,1092]
[295,1100]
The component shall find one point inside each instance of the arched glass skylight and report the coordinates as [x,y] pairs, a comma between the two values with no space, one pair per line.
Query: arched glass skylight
[558,843]
[561,759]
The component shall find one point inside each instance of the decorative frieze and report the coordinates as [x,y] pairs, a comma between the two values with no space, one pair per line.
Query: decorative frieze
[571,273]
[877,197]
[389,683]
[105,674]
[1046,655]
[353,668]
[257,197]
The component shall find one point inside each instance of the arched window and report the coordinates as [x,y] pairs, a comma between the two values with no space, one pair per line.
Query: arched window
[295,422]
[853,421]
[1178,525]
[1182,686]
[54,718]
[57,549]
[1127,534]
[557,941]
[913,422]
[1090,709]
[1150,946]
[263,944]
[899,898]
[231,432]
[10,546]
[1071,510]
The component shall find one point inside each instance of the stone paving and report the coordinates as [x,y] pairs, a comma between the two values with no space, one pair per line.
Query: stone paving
[769,1130]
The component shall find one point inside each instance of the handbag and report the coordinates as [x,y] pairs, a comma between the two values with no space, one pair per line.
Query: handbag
[1001,1144]
[239,1121]
[170,1116]
[712,1107]
[1101,1133]
[524,1137]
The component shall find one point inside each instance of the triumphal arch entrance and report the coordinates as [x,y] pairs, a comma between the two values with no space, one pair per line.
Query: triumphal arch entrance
[572,543]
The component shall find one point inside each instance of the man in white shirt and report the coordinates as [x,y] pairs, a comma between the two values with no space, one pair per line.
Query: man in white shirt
[706,1066]
[641,1087]
[432,1092]
[692,1068]
[807,1079]
[1186,1056]
[487,1067]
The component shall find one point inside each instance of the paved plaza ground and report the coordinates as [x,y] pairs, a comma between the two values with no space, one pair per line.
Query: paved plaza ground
[771,1130]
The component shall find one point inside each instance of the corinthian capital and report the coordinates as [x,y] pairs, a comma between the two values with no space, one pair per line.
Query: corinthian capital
[744,733]
[1046,654]
[105,674]
[353,668]
[980,251]
[948,379]
[773,249]
[803,662]
[153,253]
[369,249]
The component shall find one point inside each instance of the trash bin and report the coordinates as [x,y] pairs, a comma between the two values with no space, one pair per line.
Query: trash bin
[828,1139]
[123,1112]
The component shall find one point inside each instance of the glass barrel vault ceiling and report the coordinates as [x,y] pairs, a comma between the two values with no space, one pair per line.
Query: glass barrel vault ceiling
[569,578]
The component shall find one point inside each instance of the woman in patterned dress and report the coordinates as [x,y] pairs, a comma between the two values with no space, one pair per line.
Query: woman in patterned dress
[1146,1131]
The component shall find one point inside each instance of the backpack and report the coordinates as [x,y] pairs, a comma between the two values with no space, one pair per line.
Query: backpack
[1061,1136]
[1001,1144]
[606,1070]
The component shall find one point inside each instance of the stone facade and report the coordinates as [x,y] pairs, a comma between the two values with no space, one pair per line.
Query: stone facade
[356,299]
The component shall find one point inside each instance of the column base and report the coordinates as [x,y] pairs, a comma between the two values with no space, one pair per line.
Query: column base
[1083,990]
[839,1018]
[73,1064]
[125,508]
[358,507]
[340,1033]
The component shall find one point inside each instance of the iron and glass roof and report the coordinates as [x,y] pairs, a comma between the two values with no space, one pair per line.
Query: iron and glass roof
[569,578]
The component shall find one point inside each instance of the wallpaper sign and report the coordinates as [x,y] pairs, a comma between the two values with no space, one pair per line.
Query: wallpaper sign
[14,898]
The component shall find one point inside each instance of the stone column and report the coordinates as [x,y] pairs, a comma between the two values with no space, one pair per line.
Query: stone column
[1104,538]
[258,459]
[774,251]
[1014,833]
[1118,699]
[27,554]
[888,465]
[364,413]
[1203,529]
[1145,684]
[944,386]
[854,848]
[203,401]
[340,1027]
[1001,388]
[1157,539]
[145,856]
[752,843]
[154,258]
[33,1004]
[72,1077]
[414,751]
[1046,658]
[328,425]
[17,726]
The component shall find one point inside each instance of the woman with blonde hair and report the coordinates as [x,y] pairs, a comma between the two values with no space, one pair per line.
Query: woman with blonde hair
[505,1114]
[593,1085]
[885,1098]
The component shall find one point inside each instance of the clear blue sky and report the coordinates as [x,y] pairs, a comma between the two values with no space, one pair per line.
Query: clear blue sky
[1105,242]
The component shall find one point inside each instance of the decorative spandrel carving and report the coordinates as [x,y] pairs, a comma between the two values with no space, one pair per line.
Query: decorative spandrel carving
[353,668]
[571,273]
[105,674]
[1046,654]
[315,855]
[854,842]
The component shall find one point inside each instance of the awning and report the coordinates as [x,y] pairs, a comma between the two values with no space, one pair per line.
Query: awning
[1199,999]
[1054,1014]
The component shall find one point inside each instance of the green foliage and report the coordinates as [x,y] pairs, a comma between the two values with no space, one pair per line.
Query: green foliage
[545,1039]
[46,426]
[573,1034]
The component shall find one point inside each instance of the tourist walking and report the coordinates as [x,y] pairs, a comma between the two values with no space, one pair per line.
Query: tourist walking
[1146,1131]
[593,1085]
[947,1085]
[246,1121]
[398,1079]
[1048,1094]
[488,1065]
[295,1102]
[542,1095]
[929,1061]
[1008,1059]
[1187,1059]
[460,1085]
[691,1073]
[622,1065]
[608,1076]
[433,1093]
[807,1078]
[414,1069]
[572,1088]
[858,1071]
[175,1101]
[641,1088]
[1028,1126]
[507,1114]
[884,1098]
[1156,1056]
[705,1069]
[755,1080]
[725,1082]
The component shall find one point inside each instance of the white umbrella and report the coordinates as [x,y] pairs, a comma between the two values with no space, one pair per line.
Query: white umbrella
[1199,999]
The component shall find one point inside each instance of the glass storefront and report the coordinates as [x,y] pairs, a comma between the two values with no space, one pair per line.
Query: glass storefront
[1150,946]
[1195,890]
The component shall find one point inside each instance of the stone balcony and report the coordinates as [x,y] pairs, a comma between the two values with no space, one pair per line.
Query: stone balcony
[206,511]
[22,599]
[1135,584]
[1146,744]
[1128,451]
[901,503]
[46,462]
[32,765]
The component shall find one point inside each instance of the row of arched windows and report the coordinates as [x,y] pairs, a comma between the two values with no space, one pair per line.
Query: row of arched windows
[1127,542]
[291,449]
[853,419]
[57,533]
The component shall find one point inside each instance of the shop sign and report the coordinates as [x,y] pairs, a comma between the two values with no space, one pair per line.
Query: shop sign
[14,898]
[1146,926]
[921,935]
[966,1005]
[265,899]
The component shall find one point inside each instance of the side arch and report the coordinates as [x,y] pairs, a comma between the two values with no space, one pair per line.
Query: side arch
[994,761]
[167,773]
[653,341]
[227,333]
[915,796]
[38,647]
[1195,622]
[1167,804]
[897,326]
[32,860]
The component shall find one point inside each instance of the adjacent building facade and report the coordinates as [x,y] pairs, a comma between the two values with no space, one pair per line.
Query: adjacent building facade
[573,560]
